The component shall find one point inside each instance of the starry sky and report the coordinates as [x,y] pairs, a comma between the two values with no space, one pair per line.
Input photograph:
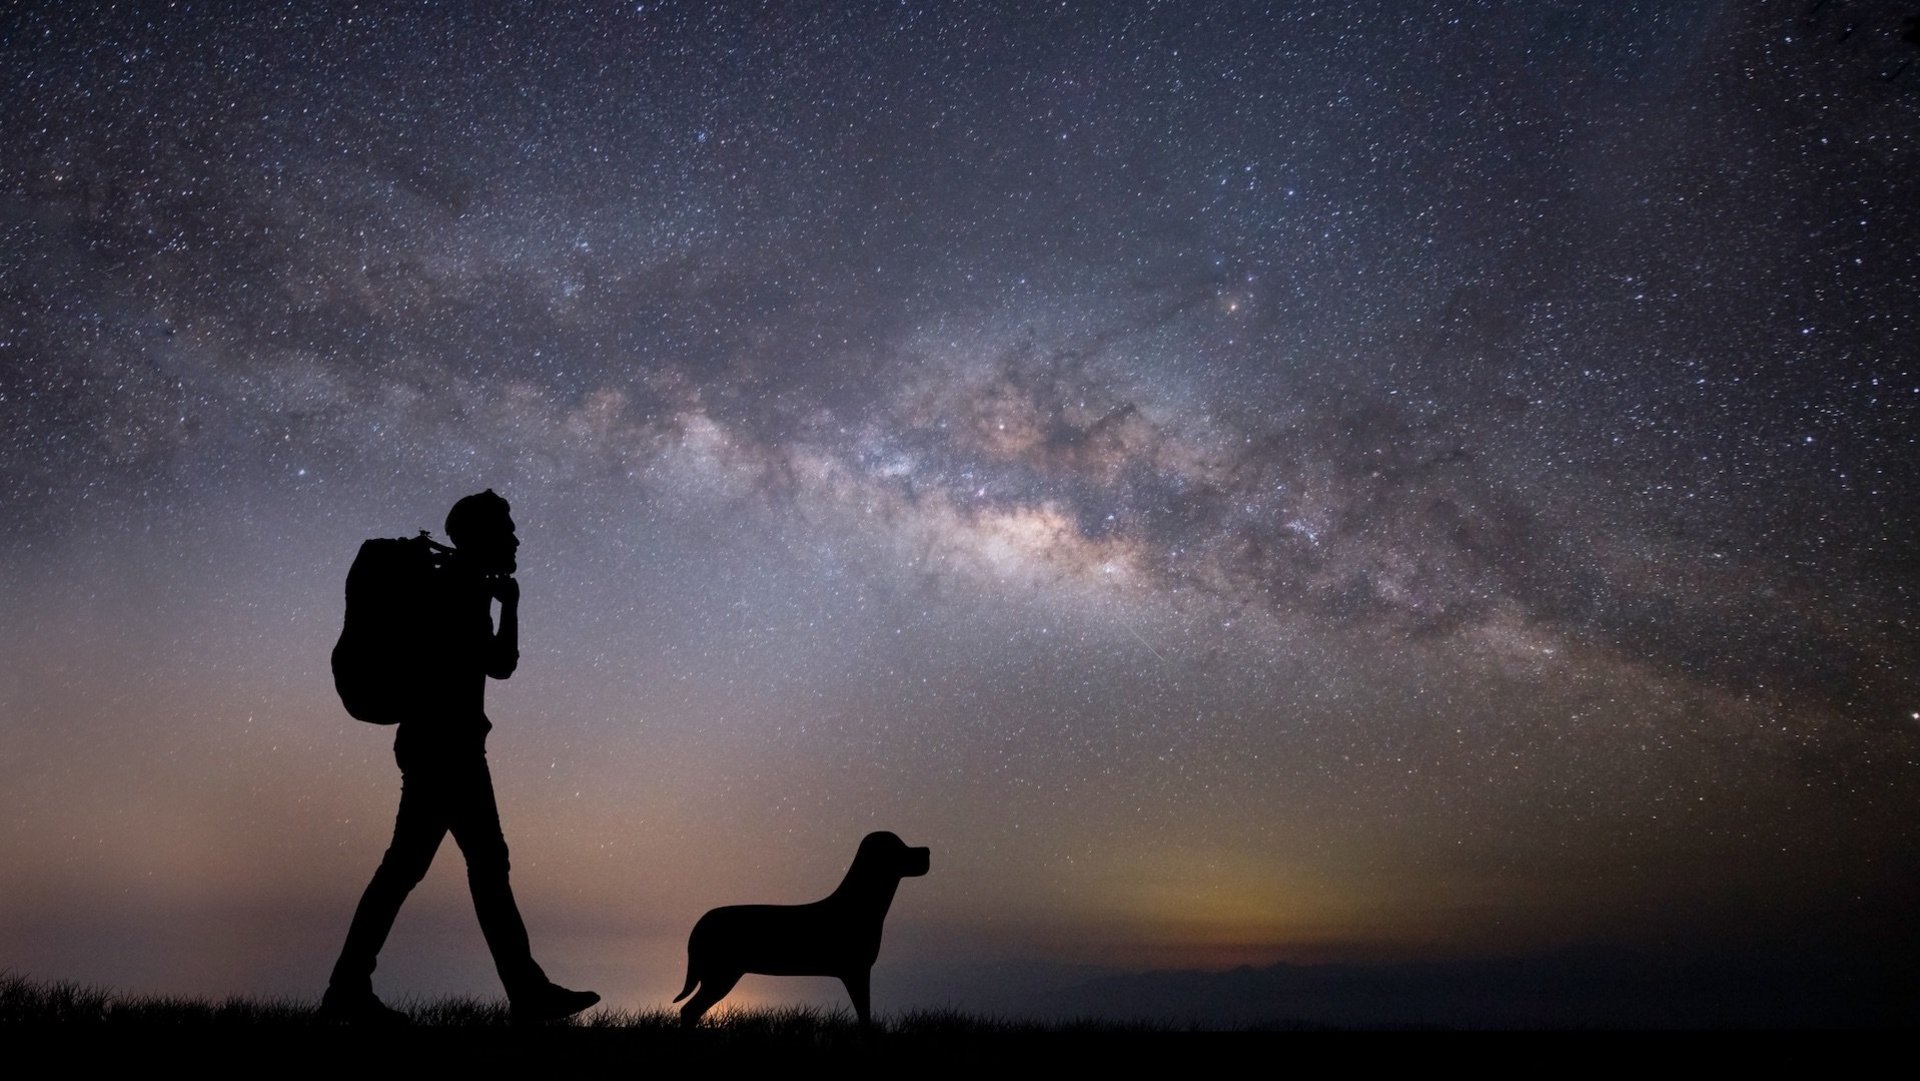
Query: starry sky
[1242,483]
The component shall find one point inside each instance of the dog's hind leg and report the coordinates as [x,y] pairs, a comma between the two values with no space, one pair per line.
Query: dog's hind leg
[713,988]
[857,987]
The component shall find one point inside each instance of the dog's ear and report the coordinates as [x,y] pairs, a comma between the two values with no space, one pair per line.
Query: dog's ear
[878,844]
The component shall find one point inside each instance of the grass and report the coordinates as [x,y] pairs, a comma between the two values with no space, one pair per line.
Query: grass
[91,1023]
[28,1004]
[76,1026]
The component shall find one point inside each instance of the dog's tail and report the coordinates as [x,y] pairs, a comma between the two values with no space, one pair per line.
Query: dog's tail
[692,982]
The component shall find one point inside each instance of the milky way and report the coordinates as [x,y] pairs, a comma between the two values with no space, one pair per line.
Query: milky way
[1239,483]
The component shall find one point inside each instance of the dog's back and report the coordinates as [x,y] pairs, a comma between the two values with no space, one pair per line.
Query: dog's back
[772,940]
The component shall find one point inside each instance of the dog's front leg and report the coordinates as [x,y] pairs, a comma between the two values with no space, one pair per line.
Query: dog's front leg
[857,987]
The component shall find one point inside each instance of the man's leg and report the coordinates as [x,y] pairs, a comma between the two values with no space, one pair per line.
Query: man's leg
[476,828]
[475,822]
[417,830]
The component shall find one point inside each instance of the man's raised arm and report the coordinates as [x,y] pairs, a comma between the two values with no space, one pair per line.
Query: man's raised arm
[503,651]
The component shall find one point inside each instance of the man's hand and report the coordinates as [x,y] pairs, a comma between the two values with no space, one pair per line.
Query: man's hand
[505,589]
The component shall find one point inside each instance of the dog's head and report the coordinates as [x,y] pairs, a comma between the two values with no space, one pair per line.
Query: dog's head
[889,853]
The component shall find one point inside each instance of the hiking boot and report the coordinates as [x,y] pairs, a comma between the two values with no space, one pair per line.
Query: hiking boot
[359,1008]
[550,1002]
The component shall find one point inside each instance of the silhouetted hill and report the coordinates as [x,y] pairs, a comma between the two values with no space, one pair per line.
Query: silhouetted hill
[1581,989]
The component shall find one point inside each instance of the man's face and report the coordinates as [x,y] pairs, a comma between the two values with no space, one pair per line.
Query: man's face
[492,548]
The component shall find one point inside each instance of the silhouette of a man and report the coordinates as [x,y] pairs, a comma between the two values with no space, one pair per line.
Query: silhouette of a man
[445,787]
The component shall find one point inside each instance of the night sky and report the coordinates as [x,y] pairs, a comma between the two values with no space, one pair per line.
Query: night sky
[1395,482]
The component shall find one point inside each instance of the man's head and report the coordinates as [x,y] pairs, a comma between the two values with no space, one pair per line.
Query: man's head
[482,530]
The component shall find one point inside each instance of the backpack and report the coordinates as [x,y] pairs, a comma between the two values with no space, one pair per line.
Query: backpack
[376,662]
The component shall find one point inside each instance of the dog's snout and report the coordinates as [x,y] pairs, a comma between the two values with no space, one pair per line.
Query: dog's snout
[918,860]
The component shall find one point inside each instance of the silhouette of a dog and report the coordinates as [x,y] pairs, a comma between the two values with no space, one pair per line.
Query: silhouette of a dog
[839,936]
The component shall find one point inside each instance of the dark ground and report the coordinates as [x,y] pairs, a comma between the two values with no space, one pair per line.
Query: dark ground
[85,1027]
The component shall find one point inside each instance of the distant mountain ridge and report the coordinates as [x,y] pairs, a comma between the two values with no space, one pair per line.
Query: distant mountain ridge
[1583,987]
